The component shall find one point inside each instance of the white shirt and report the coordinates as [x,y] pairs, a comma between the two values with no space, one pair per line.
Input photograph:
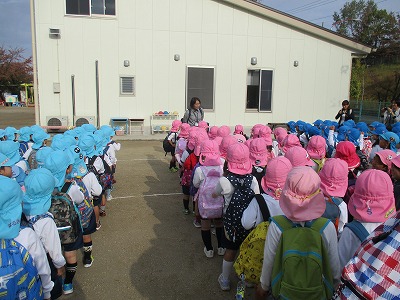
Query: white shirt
[252,215]
[47,231]
[226,189]
[98,164]
[329,237]
[75,193]
[29,239]
[92,185]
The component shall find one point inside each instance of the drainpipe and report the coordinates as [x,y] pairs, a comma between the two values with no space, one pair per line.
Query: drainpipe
[97,94]
[34,63]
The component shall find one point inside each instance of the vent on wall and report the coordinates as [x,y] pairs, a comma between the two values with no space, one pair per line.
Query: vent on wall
[57,121]
[54,33]
[80,120]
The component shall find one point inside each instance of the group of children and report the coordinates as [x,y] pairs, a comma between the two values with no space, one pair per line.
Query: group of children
[51,201]
[341,182]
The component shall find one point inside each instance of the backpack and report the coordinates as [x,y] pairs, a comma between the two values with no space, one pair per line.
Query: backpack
[23,147]
[19,277]
[209,207]
[66,215]
[105,179]
[358,229]
[241,198]
[373,272]
[350,190]
[332,211]
[251,255]
[86,206]
[168,148]
[32,160]
[301,267]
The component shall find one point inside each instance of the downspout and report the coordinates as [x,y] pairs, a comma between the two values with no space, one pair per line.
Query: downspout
[97,94]
[73,96]
[34,63]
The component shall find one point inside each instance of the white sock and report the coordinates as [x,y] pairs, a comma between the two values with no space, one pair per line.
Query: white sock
[226,268]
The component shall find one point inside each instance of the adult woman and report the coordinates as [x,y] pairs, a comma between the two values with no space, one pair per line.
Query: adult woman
[194,114]
[346,113]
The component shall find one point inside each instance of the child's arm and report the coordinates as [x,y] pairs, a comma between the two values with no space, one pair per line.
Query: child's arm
[198,177]
[249,217]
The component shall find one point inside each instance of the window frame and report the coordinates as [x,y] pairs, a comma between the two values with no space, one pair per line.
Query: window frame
[187,100]
[133,94]
[258,109]
[90,11]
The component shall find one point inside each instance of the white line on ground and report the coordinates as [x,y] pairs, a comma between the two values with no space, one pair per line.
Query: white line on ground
[151,195]
[138,159]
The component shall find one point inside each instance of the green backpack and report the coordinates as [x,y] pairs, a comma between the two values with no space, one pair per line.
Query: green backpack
[301,268]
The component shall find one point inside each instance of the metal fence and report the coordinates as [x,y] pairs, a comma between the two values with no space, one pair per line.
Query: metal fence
[368,111]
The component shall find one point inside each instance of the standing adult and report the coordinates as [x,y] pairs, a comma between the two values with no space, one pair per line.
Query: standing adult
[194,114]
[346,113]
[391,114]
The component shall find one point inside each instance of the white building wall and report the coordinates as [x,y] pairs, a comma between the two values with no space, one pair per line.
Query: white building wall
[204,33]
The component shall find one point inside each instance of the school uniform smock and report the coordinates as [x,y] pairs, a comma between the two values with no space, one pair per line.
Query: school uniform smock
[329,237]
[98,164]
[92,185]
[29,239]
[252,215]
[226,189]
[47,231]
[349,243]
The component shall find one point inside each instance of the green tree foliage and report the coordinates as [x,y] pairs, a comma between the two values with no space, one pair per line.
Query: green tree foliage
[14,70]
[357,80]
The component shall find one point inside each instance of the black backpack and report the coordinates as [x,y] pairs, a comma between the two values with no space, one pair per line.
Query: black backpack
[168,148]
[240,200]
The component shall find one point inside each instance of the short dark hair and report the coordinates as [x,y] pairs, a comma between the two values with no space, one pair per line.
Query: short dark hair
[193,101]
[397,101]
[345,102]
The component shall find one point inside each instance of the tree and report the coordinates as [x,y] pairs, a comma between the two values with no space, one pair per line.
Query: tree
[15,69]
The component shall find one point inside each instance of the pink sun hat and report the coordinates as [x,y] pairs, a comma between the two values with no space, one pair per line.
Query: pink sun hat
[280,134]
[176,124]
[184,133]
[240,138]
[203,124]
[213,132]
[238,129]
[192,137]
[200,137]
[209,154]
[386,157]
[265,133]
[225,143]
[373,198]
[347,151]
[333,176]
[258,152]
[223,131]
[291,140]
[238,159]
[302,198]
[396,161]
[275,176]
[298,156]
[316,147]
[255,130]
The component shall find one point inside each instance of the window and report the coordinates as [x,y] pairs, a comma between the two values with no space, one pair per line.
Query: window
[259,90]
[90,7]
[200,83]
[127,85]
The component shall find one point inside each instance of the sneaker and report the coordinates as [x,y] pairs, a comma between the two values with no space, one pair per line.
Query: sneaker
[249,284]
[68,288]
[109,197]
[209,253]
[98,225]
[221,251]
[176,169]
[186,211]
[213,231]
[103,213]
[196,223]
[87,262]
[173,170]
[223,283]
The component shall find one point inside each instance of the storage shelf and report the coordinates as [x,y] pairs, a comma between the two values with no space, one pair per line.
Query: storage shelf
[159,121]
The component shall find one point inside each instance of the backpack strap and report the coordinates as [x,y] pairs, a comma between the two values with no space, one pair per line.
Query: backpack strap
[358,229]
[66,187]
[318,224]
[283,223]
[263,207]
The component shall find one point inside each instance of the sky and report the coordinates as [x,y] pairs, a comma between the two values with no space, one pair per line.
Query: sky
[15,28]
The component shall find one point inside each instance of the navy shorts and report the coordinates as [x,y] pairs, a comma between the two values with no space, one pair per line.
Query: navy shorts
[74,246]
[97,200]
[92,226]
[186,190]
[229,244]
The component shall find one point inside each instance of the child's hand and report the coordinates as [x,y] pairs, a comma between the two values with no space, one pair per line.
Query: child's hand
[61,271]
[261,294]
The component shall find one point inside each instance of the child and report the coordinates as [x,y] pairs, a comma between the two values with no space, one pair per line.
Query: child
[316,148]
[60,164]
[40,184]
[375,140]
[213,132]
[210,167]
[39,139]
[238,168]
[383,160]
[181,144]
[258,157]
[389,140]
[172,139]
[280,134]
[334,185]
[290,140]
[11,133]
[298,156]
[24,139]
[301,201]
[371,204]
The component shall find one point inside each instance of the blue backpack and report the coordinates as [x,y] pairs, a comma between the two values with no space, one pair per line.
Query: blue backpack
[19,278]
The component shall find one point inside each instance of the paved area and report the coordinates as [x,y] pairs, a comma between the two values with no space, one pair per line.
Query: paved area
[147,248]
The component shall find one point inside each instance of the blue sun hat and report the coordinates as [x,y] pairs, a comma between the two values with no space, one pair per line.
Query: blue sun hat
[57,163]
[11,150]
[10,133]
[349,123]
[42,154]
[313,130]
[89,128]
[108,131]
[2,133]
[10,208]
[292,126]
[353,135]
[38,138]
[301,125]
[380,129]
[57,142]
[101,141]
[363,127]
[318,123]
[5,161]
[342,133]
[392,138]
[375,124]
[35,128]
[25,134]
[39,185]
[79,168]
[86,144]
